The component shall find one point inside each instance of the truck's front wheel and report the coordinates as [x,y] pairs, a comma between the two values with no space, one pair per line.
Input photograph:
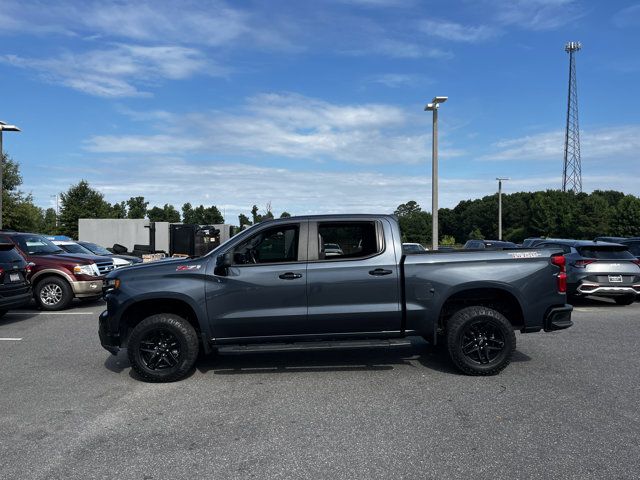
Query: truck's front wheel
[481,341]
[163,348]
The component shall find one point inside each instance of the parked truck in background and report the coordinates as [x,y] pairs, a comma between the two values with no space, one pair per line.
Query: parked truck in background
[273,287]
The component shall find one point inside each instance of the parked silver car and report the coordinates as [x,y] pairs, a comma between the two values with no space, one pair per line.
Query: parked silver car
[599,268]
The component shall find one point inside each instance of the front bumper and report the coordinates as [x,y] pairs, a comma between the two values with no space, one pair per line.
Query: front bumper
[558,318]
[109,340]
[87,288]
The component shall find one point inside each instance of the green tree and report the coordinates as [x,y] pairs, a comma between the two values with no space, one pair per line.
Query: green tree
[475,234]
[50,222]
[415,225]
[285,215]
[201,215]
[243,220]
[137,207]
[408,208]
[119,210]
[448,240]
[626,221]
[81,201]
[18,210]
[167,213]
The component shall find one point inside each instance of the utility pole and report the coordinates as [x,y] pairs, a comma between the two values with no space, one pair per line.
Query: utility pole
[500,180]
[572,169]
[433,107]
[3,128]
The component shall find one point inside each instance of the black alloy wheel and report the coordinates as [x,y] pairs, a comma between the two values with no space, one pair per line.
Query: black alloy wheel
[480,340]
[159,349]
[163,348]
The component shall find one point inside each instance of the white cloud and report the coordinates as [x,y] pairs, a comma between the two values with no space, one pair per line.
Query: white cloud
[628,17]
[457,32]
[290,126]
[118,71]
[609,144]
[399,80]
[537,14]
[402,49]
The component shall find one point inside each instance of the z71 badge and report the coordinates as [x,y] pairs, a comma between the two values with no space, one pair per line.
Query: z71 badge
[182,268]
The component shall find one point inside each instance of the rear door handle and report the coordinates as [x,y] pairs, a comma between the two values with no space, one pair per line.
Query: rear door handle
[378,272]
[290,276]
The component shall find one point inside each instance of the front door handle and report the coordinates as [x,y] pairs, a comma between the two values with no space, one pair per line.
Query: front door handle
[379,272]
[290,276]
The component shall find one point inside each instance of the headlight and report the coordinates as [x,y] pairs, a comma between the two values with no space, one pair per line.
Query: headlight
[91,270]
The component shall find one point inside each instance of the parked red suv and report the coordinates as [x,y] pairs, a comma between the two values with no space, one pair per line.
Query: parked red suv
[57,277]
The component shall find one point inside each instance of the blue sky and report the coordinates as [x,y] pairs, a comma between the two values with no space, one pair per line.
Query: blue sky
[315,106]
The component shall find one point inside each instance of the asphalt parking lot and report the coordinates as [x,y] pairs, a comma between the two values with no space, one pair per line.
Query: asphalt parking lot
[567,407]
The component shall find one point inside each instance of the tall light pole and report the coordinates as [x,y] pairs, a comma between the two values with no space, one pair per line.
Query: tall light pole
[433,107]
[3,128]
[500,180]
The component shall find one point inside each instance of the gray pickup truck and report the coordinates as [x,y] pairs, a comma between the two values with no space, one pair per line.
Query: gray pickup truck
[272,287]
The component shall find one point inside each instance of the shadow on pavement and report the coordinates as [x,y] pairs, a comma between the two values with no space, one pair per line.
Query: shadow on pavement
[594,302]
[367,360]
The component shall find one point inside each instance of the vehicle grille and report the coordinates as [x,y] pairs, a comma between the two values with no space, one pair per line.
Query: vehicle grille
[104,267]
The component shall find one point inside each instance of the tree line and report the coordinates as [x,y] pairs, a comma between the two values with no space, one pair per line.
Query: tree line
[550,213]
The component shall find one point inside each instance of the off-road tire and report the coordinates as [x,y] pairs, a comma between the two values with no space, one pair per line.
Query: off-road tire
[49,285]
[625,300]
[150,335]
[468,323]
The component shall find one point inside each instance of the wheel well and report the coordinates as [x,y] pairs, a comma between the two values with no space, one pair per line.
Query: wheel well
[137,312]
[50,275]
[498,299]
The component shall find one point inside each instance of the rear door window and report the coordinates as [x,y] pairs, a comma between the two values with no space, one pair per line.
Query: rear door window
[346,240]
[606,253]
[8,254]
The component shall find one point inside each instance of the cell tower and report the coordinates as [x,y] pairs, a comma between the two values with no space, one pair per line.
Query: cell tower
[572,171]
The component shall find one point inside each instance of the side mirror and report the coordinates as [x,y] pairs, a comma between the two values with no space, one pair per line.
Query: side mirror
[225,260]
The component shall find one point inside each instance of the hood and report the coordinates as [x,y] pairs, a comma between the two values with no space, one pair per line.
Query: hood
[79,257]
[159,267]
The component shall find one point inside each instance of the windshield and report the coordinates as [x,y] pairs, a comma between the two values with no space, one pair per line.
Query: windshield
[37,245]
[97,249]
[75,248]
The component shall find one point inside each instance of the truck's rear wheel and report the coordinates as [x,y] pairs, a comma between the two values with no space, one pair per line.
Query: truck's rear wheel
[163,348]
[53,293]
[481,341]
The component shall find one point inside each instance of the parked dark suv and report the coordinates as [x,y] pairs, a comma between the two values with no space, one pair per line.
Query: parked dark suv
[598,268]
[15,290]
[632,242]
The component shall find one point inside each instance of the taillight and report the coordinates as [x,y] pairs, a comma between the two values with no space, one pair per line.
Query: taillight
[582,263]
[561,262]
[637,261]
[1,271]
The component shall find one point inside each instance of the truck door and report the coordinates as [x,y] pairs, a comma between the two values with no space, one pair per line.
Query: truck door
[352,277]
[264,292]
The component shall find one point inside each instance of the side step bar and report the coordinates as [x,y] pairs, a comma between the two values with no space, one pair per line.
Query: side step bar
[312,346]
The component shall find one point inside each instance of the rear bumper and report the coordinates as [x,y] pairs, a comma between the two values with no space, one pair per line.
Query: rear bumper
[15,301]
[88,288]
[607,291]
[558,318]
[109,340]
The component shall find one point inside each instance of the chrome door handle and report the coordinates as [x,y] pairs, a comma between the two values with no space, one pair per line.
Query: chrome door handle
[378,272]
[290,276]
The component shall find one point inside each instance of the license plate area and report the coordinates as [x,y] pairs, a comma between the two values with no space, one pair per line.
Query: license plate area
[615,278]
[15,277]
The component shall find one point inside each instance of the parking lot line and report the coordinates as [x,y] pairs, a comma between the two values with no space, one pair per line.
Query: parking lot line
[51,313]
[9,339]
